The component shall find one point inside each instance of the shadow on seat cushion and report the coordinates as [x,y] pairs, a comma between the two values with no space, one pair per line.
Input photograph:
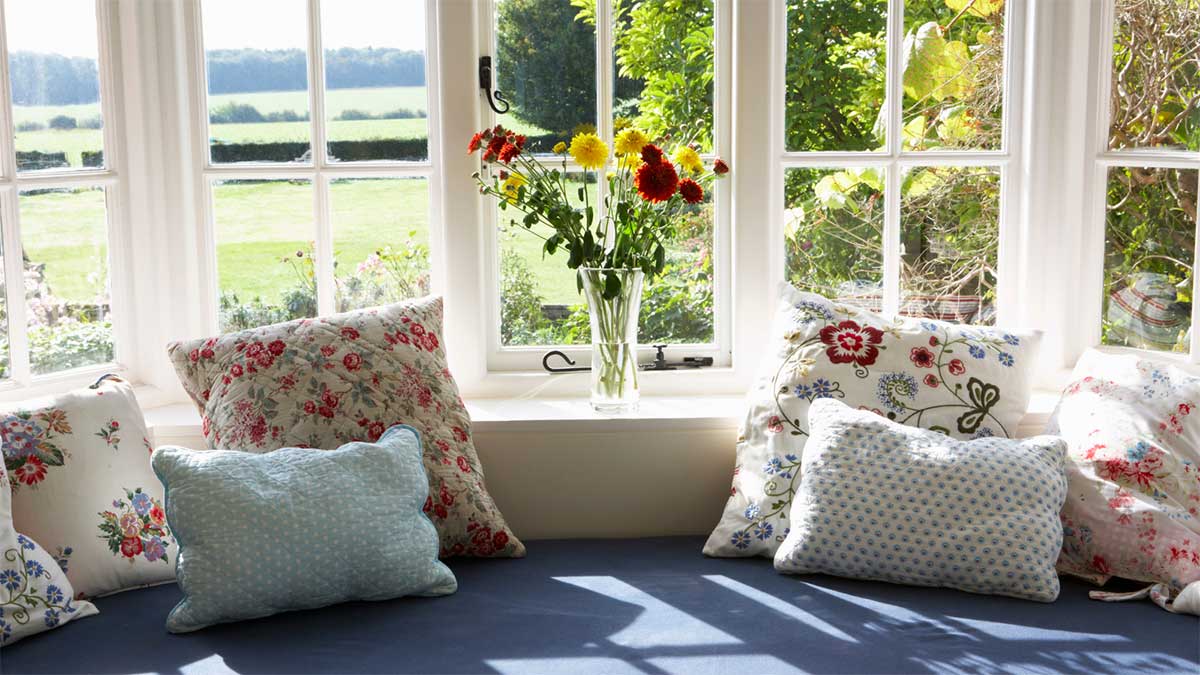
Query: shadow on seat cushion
[632,606]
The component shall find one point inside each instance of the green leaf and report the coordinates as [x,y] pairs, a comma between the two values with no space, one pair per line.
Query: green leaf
[979,8]
[934,68]
[829,193]
[612,285]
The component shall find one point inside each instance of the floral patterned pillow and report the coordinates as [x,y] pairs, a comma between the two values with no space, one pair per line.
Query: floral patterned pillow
[35,594]
[965,381]
[322,383]
[1132,428]
[82,486]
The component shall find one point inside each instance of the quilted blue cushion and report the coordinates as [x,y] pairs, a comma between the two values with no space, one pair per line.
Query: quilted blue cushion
[880,500]
[296,528]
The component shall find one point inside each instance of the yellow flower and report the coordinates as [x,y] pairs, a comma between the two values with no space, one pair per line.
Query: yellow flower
[584,128]
[512,187]
[589,151]
[688,159]
[560,148]
[629,161]
[631,141]
[620,123]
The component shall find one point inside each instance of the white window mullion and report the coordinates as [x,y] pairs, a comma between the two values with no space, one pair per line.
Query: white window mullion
[326,303]
[14,274]
[1194,347]
[894,101]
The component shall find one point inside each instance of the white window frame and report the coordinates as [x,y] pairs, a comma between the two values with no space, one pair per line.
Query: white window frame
[21,381]
[894,159]
[320,172]
[1101,159]
[502,358]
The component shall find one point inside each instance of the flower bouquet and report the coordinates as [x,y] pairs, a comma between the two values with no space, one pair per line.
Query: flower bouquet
[612,249]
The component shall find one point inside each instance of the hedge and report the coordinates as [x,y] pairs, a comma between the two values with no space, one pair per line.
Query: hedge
[345,151]
[33,160]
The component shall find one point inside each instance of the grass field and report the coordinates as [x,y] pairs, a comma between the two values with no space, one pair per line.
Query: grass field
[67,232]
[370,100]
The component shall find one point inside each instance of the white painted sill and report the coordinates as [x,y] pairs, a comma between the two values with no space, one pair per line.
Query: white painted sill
[656,414]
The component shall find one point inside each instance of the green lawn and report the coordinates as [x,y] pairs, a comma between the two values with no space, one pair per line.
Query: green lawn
[67,231]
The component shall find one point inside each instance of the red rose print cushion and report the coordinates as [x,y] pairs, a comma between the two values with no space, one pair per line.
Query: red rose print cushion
[321,383]
[966,381]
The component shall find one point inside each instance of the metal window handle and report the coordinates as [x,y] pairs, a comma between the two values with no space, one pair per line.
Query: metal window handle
[485,83]
[560,369]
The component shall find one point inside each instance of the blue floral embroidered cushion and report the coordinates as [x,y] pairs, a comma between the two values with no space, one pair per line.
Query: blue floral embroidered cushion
[35,594]
[79,467]
[966,381]
[319,383]
[299,528]
[884,501]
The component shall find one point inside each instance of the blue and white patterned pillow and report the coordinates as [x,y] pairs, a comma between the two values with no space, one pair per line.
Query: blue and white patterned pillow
[879,500]
[298,528]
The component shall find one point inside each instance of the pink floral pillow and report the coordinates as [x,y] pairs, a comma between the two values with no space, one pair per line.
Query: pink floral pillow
[321,383]
[1133,508]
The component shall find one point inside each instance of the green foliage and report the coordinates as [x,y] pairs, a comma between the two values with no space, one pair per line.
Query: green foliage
[70,344]
[235,113]
[62,122]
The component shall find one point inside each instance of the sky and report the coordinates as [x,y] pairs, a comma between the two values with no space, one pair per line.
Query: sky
[39,25]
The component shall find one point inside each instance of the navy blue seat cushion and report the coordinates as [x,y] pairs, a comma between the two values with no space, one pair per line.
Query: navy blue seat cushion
[634,606]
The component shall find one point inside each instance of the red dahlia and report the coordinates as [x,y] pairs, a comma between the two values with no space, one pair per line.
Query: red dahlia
[508,152]
[656,182]
[651,154]
[691,191]
[476,141]
[720,167]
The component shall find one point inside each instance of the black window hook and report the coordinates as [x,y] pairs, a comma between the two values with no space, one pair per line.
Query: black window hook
[559,369]
[485,83]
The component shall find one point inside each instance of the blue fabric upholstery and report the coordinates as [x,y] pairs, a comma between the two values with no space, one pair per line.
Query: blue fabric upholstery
[635,606]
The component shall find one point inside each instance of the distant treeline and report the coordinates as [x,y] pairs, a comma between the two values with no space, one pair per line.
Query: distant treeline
[52,79]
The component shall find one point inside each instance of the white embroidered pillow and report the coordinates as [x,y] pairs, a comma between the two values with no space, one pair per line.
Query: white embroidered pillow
[82,486]
[35,595]
[1132,428]
[966,381]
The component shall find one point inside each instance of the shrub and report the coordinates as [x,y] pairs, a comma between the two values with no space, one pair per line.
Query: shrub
[286,116]
[30,125]
[62,122]
[95,122]
[353,114]
[70,344]
[402,114]
[235,113]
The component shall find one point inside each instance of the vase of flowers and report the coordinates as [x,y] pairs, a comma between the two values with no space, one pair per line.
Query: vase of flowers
[613,250]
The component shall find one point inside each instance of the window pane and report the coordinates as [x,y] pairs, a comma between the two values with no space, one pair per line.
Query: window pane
[954,74]
[663,57]
[380,240]
[65,236]
[375,99]
[255,53]
[836,75]
[546,66]
[949,239]
[833,224]
[5,367]
[265,265]
[1156,75]
[1150,235]
[539,301]
[55,84]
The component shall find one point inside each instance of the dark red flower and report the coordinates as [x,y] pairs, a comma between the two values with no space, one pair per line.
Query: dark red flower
[494,147]
[349,332]
[933,341]
[720,167]
[651,154]
[131,546]
[476,141]
[931,381]
[416,329]
[463,464]
[519,141]
[325,411]
[691,191]
[921,357]
[236,370]
[500,540]
[957,367]
[850,343]
[327,350]
[276,348]
[440,511]
[431,342]
[329,398]
[656,182]
[352,361]
[375,430]
[446,497]
[310,407]
[1100,565]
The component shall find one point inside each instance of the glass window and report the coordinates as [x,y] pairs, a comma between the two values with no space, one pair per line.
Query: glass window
[1155,100]
[266,262]
[52,63]
[64,233]
[1149,240]
[375,101]
[380,240]
[949,243]
[256,59]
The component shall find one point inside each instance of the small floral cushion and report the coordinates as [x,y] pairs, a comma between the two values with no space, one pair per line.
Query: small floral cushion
[965,381]
[82,486]
[35,594]
[321,383]
[1133,432]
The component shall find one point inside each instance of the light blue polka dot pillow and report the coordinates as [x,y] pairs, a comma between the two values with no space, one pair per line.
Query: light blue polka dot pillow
[298,528]
[879,500]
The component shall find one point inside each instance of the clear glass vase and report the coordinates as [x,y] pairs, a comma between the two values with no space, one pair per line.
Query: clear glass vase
[614,337]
